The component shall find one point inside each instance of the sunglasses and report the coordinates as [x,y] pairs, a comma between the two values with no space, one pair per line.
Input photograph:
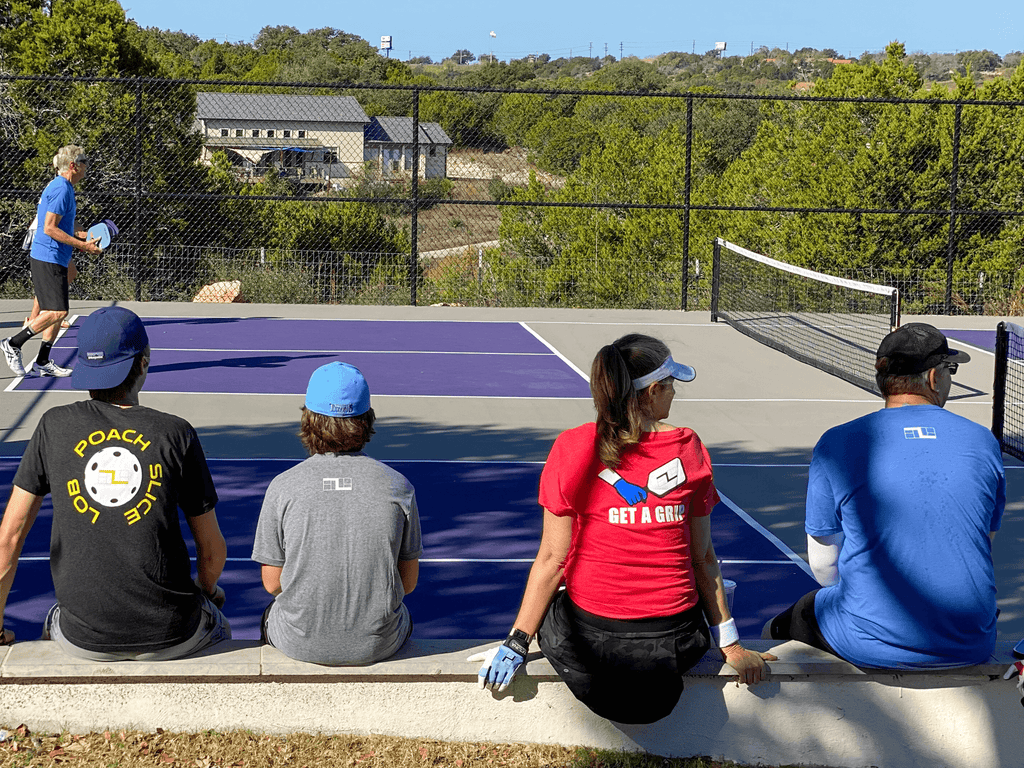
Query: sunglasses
[952,367]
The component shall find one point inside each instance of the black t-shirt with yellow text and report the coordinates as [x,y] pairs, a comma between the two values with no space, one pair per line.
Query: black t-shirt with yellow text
[120,567]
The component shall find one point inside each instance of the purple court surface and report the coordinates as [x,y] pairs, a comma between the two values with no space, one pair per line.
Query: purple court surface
[277,356]
[481,527]
[981,339]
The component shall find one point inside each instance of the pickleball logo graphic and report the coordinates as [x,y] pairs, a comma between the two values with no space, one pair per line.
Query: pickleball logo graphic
[113,476]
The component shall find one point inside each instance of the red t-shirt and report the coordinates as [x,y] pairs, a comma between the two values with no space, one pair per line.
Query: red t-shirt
[630,559]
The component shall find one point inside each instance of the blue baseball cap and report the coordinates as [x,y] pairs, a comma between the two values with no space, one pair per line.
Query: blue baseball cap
[338,389]
[108,341]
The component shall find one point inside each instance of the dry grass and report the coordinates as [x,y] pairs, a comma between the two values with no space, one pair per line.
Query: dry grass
[242,749]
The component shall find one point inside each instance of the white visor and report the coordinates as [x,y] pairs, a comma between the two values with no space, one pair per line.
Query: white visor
[670,368]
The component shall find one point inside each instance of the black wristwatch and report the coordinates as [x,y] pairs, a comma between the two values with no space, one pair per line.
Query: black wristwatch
[518,641]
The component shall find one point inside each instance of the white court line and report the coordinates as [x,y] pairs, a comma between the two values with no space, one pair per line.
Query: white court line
[523,560]
[352,351]
[495,461]
[61,332]
[385,461]
[628,323]
[762,466]
[962,343]
[189,318]
[563,358]
[376,395]
[793,556]
[685,399]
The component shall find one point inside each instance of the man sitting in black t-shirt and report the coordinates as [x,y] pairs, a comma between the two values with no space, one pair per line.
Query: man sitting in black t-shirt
[118,472]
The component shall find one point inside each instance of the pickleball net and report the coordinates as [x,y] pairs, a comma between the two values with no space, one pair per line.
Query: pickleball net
[1008,390]
[832,323]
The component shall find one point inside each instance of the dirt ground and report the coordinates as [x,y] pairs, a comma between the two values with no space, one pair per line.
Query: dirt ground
[244,749]
[450,225]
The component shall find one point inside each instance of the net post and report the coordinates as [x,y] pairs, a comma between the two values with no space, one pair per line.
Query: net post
[716,278]
[999,383]
[894,310]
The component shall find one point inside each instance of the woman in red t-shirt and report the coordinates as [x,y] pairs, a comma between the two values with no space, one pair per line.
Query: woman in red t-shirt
[626,501]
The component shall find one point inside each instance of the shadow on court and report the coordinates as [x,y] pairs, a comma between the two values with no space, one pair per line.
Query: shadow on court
[483,505]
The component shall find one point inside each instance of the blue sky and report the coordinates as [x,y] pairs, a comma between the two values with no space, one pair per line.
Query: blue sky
[643,28]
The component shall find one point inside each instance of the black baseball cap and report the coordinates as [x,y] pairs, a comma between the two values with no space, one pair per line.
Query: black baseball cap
[915,348]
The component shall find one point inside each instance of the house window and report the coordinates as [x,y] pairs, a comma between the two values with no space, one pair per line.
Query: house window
[433,151]
[408,161]
[270,134]
[255,133]
[287,134]
[394,165]
[302,134]
[223,131]
[239,132]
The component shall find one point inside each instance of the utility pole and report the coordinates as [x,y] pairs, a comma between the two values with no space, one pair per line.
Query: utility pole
[620,50]
[606,50]
[591,50]
[694,49]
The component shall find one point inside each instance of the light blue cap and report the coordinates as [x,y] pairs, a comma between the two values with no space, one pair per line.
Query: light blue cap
[338,389]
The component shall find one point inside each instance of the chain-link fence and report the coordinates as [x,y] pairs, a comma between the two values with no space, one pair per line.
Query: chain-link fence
[497,197]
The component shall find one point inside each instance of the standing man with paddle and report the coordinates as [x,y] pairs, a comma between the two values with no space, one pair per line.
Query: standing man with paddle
[51,253]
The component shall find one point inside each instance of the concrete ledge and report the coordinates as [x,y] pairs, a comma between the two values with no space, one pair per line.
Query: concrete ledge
[815,709]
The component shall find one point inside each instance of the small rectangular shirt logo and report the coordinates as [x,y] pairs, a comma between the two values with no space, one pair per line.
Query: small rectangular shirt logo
[337,483]
[919,433]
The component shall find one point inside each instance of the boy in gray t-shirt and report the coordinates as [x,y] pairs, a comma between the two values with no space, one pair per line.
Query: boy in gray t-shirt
[338,535]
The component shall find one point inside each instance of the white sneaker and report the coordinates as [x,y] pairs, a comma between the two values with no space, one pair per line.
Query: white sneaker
[52,369]
[13,357]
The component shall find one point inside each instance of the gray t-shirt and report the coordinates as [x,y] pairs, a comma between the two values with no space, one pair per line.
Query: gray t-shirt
[337,524]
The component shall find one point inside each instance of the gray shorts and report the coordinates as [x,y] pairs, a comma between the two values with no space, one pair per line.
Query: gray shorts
[213,627]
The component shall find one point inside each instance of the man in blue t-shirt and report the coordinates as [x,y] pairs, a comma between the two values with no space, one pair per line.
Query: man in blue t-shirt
[902,507]
[55,238]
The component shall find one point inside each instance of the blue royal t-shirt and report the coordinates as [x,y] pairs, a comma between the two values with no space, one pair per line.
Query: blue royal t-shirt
[916,491]
[59,198]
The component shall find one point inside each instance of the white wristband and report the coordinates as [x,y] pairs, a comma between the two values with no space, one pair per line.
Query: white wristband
[725,633]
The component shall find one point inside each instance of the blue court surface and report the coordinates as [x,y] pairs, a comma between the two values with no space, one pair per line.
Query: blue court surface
[488,396]
[481,527]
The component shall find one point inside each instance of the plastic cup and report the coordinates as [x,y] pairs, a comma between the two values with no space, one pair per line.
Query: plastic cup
[730,593]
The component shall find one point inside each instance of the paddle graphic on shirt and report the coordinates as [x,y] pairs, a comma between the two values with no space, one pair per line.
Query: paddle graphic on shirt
[660,481]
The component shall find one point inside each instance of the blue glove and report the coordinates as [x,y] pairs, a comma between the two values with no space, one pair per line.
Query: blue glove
[500,666]
[631,494]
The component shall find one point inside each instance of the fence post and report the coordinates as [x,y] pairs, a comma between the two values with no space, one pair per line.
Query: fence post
[686,202]
[415,193]
[716,277]
[137,208]
[953,183]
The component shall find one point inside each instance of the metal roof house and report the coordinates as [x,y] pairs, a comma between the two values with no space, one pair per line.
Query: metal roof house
[313,137]
[388,146]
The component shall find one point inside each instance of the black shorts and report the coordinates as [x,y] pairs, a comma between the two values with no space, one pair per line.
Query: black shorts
[626,671]
[50,282]
[798,622]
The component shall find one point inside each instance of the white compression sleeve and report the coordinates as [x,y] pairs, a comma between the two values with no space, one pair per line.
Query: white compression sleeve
[823,554]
